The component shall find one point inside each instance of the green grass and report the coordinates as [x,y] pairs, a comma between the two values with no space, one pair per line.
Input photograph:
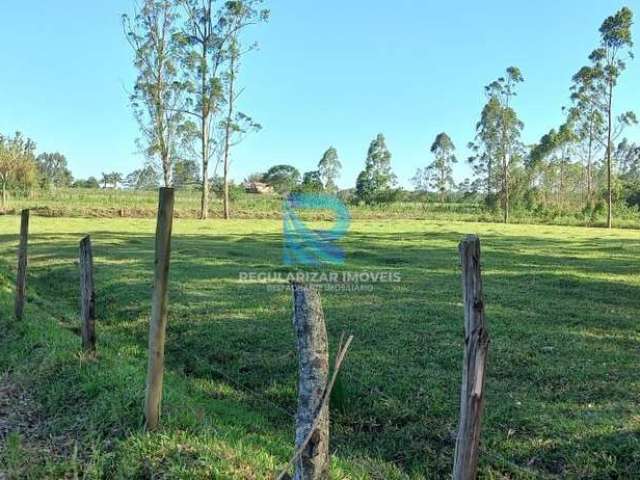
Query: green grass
[562,391]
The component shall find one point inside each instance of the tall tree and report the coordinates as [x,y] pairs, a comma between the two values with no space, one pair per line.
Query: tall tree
[157,98]
[627,156]
[329,168]
[236,124]
[205,41]
[556,148]
[588,121]
[377,178]
[498,135]
[444,157]
[615,41]
[485,147]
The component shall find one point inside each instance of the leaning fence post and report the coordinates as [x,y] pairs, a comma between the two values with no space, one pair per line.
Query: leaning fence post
[157,326]
[313,371]
[87,296]
[476,344]
[21,279]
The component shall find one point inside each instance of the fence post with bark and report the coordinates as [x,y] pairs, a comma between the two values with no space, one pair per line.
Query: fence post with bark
[158,323]
[21,278]
[87,296]
[313,370]
[476,345]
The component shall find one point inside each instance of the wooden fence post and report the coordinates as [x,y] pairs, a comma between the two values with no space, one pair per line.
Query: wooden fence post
[87,296]
[21,279]
[158,324]
[313,371]
[476,340]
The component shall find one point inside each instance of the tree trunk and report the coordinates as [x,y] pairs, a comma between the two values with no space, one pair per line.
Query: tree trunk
[505,175]
[313,371]
[609,167]
[561,189]
[227,213]
[589,154]
[204,125]
[227,146]
[476,339]
[166,169]
[204,204]
[227,136]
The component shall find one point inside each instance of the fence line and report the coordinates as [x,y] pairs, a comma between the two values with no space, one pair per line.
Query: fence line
[476,341]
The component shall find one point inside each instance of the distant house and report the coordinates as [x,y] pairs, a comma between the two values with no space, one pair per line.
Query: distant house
[258,187]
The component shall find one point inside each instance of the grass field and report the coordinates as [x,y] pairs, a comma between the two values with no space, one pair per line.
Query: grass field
[563,385]
[109,203]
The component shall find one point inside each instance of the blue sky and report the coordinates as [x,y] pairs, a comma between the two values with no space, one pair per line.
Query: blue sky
[327,73]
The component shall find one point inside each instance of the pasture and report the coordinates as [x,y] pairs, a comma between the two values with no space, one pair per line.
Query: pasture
[108,203]
[563,387]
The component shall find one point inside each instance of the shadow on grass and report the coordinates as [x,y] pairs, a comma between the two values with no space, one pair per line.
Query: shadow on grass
[562,316]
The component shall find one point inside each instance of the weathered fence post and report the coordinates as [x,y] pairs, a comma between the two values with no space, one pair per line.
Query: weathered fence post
[87,296]
[157,326]
[313,371]
[476,344]
[21,279]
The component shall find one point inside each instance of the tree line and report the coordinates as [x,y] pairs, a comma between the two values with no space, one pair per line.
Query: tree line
[579,166]
[585,164]
[22,171]
[188,53]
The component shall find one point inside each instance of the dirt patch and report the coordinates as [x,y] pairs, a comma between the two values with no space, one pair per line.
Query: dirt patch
[17,411]
[20,430]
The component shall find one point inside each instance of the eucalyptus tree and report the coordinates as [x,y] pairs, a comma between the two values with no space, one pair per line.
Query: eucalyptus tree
[209,29]
[497,144]
[627,156]
[588,121]
[553,152]
[329,168]
[236,125]
[443,150]
[157,98]
[422,180]
[608,61]
[377,178]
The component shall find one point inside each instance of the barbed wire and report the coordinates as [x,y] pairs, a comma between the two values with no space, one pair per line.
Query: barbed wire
[351,378]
